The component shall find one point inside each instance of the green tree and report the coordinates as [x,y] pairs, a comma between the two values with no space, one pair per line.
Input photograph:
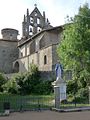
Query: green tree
[2,81]
[74,48]
[11,85]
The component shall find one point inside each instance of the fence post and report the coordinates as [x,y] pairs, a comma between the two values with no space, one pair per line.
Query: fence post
[6,106]
[89,94]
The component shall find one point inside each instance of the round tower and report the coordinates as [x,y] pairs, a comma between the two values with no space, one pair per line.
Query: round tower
[9,34]
[8,50]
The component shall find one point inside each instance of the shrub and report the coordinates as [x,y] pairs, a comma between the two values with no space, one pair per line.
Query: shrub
[28,83]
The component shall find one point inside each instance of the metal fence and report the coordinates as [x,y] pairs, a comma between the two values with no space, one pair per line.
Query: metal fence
[75,102]
[22,103]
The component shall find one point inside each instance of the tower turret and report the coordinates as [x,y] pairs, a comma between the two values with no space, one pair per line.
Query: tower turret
[44,17]
[24,19]
[27,12]
[9,34]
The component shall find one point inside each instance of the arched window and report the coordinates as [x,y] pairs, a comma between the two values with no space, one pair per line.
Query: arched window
[45,59]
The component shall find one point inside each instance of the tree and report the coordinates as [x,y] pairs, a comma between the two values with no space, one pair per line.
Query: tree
[74,48]
[11,86]
[2,81]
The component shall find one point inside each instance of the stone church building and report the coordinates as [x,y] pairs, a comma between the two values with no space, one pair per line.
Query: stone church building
[38,45]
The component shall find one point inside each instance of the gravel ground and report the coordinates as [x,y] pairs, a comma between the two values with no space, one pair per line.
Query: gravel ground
[47,115]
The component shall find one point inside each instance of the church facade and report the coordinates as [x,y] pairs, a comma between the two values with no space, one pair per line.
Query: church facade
[37,46]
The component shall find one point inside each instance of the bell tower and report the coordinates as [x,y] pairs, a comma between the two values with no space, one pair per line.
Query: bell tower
[34,23]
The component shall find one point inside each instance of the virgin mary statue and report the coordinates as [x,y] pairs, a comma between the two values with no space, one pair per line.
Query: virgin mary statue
[59,71]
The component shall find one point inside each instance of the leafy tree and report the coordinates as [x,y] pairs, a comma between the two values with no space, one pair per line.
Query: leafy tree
[2,81]
[74,48]
[11,85]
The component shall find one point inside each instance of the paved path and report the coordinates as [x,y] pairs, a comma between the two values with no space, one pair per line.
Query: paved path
[48,115]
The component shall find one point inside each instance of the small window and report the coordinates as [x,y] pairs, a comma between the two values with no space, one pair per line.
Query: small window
[38,20]
[45,59]
[31,20]
[30,30]
[35,13]
[38,29]
[21,54]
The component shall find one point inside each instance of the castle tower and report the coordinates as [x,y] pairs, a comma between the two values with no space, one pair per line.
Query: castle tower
[9,34]
[8,49]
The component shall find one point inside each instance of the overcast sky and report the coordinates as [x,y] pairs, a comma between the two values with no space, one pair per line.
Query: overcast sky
[12,11]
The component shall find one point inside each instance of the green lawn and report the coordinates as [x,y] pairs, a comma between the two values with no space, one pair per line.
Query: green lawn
[68,106]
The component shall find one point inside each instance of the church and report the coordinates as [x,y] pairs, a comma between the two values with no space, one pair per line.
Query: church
[37,46]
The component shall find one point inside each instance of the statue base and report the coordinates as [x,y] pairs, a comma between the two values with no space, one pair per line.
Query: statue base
[59,91]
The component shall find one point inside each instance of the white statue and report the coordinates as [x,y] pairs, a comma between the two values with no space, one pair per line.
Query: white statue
[59,71]
[59,85]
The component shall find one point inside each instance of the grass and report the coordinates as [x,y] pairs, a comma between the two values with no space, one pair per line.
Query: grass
[73,105]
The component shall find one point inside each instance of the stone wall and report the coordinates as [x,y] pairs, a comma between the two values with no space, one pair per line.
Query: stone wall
[38,59]
[48,53]
[24,64]
[8,54]
[54,55]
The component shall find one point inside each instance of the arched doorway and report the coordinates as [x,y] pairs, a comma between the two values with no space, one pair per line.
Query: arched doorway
[16,67]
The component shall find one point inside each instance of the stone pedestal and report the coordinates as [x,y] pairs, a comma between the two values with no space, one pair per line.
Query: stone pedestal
[59,91]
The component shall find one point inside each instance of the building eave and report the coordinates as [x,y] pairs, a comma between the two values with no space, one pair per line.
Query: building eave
[8,40]
[37,34]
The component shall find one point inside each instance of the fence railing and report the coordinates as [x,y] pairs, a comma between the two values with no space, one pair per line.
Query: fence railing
[20,103]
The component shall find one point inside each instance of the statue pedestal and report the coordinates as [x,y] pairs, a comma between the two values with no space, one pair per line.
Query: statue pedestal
[60,91]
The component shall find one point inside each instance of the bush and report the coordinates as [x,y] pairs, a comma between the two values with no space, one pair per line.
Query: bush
[82,95]
[44,88]
[28,83]
[76,93]
[72,87]
[11,86]
[64,101]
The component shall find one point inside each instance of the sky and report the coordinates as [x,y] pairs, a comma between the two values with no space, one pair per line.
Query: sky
[12,11]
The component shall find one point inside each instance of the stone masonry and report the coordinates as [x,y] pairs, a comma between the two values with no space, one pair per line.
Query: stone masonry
[8,50]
